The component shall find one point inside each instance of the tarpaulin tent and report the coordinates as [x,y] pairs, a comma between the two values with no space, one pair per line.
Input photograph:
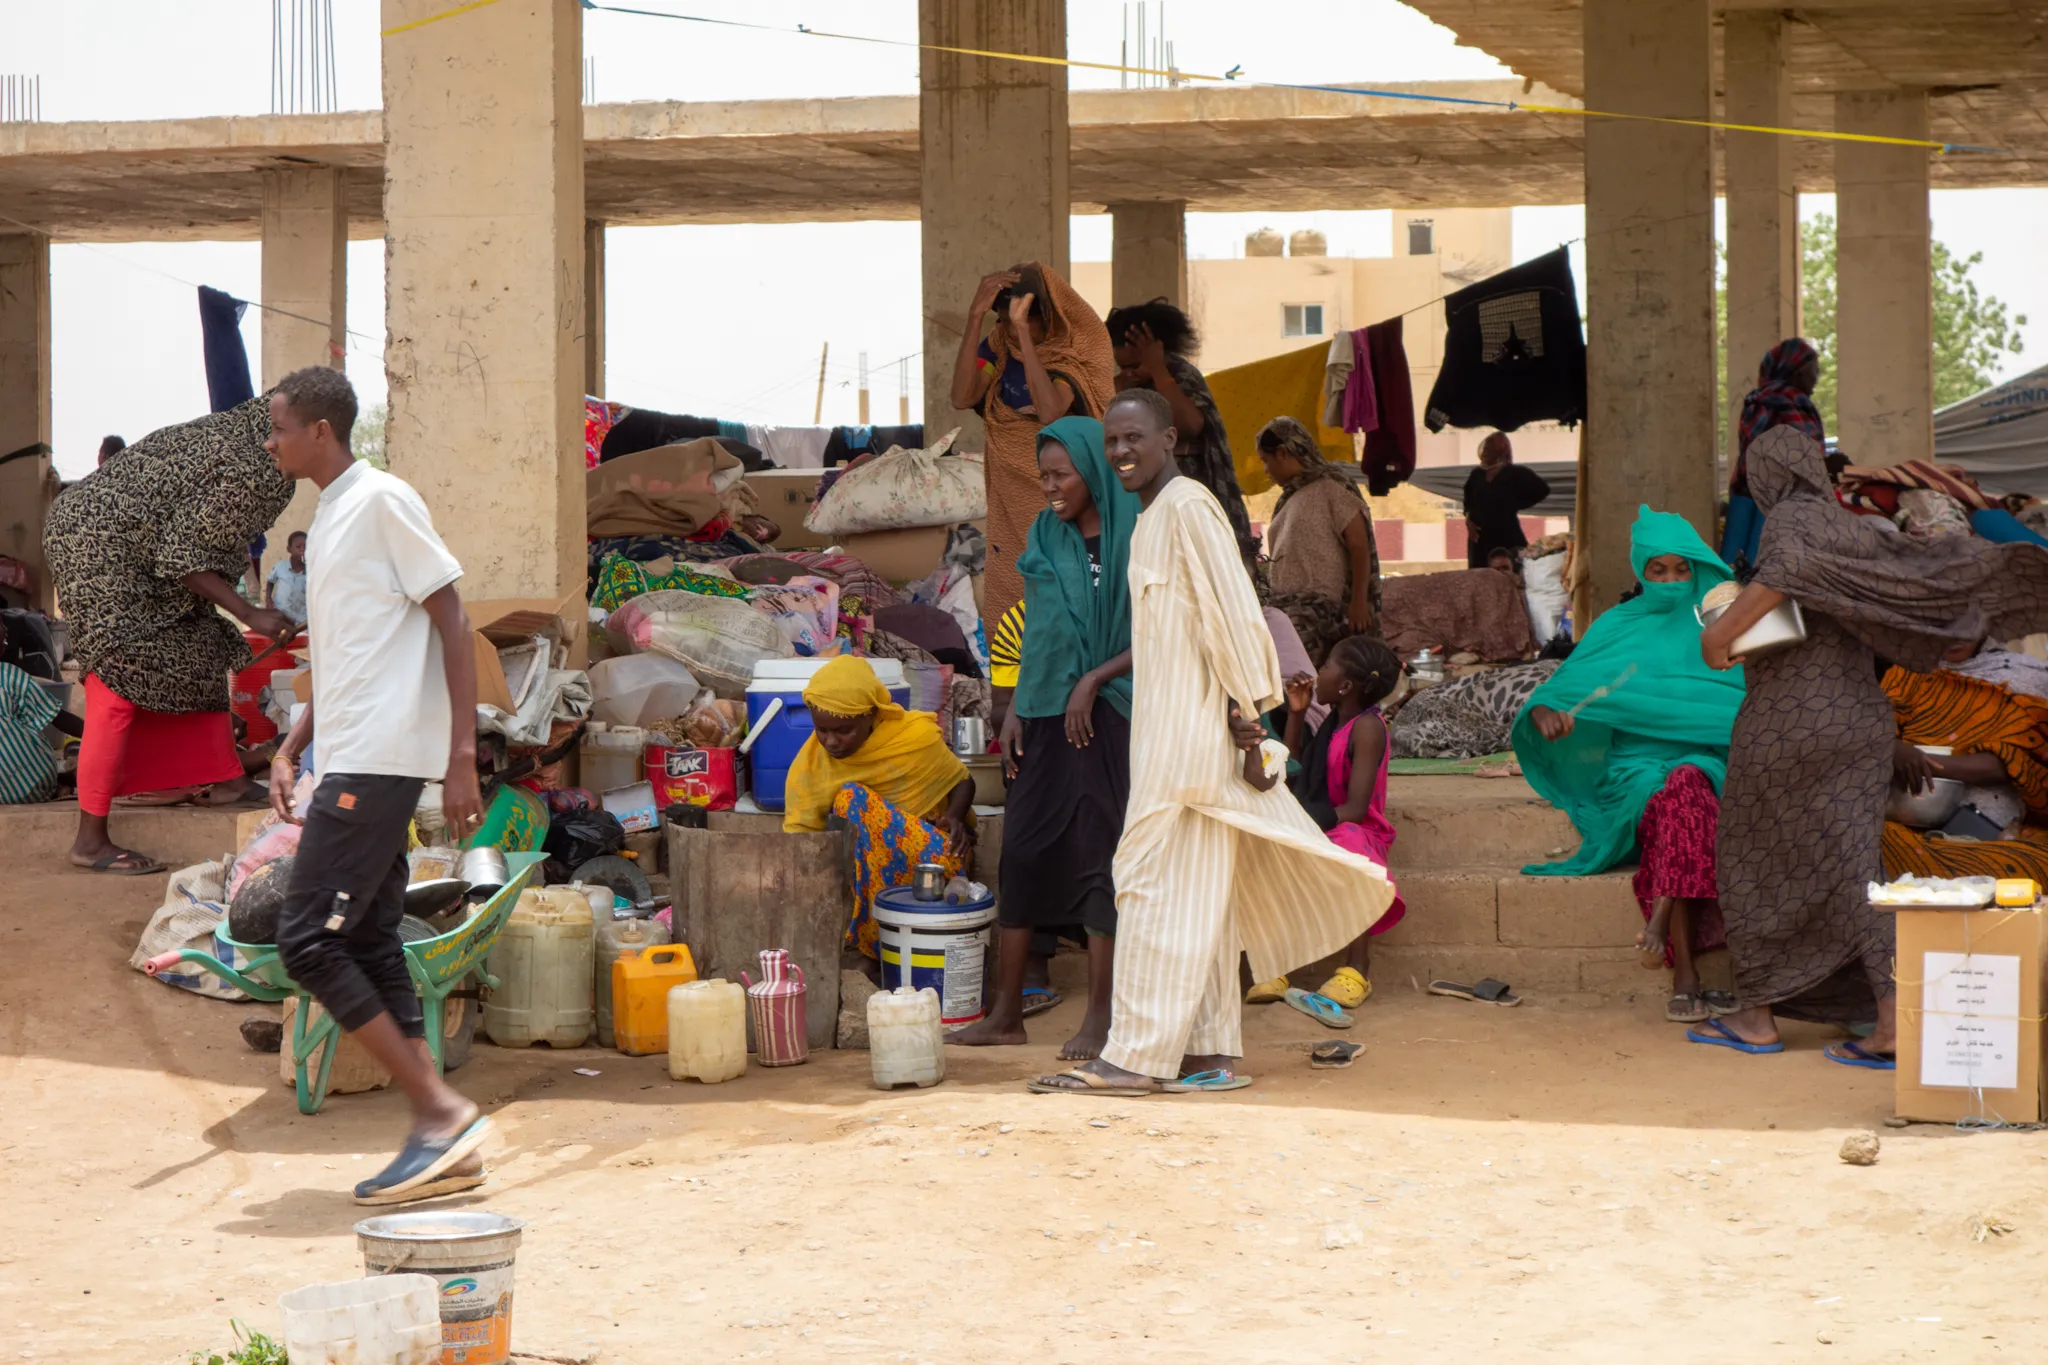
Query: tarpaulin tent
[1999,436]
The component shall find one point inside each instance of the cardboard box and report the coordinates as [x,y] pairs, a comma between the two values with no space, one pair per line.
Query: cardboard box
[1971,988]
[498,621]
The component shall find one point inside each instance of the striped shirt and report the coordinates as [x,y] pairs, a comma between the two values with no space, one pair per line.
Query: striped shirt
[28,768]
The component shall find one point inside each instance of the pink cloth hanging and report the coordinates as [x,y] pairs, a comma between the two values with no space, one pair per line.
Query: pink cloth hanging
[1361,398]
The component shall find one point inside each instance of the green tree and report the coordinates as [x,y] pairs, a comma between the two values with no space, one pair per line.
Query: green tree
[368,437]
[1973,331]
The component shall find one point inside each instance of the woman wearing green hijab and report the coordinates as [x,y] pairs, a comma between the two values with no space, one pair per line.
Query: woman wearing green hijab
[1067,740]
[1630,739]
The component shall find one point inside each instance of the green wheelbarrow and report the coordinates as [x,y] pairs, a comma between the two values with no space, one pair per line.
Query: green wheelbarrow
[438,965]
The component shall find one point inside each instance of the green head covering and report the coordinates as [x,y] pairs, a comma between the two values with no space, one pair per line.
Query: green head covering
[1072,623]
[1670,712]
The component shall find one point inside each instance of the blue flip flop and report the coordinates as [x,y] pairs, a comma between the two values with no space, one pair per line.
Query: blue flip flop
[1859,1055]
[1714,1033]
[1037,1000]
[1205,1081]
[1320,1008]
[420,1161]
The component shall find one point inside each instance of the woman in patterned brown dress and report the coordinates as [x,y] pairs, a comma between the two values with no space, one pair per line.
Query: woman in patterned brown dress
[145,553]
[1802,812]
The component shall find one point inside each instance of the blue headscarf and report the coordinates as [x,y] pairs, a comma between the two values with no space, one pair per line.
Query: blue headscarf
[1072,623]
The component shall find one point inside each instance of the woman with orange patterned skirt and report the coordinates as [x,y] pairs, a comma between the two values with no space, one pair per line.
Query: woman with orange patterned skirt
[1998,742]
[887,774]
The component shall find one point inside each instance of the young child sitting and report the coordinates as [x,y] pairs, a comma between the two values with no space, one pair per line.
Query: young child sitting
[1344,776]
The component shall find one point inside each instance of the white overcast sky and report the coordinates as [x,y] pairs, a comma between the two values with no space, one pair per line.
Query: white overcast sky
[720,321]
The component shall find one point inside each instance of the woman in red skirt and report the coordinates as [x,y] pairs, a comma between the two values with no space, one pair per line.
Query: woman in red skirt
[144,553]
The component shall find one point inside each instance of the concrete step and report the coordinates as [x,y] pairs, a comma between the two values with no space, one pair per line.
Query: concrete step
[175,835]
[1571,934]
[1450,822]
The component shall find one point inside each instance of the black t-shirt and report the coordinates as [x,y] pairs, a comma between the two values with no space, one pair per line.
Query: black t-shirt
[1094,544]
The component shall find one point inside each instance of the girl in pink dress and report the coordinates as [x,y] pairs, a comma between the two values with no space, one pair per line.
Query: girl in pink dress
[1345,776]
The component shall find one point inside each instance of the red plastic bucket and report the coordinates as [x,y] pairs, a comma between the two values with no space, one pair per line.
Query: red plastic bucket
[245,691]
[691,777]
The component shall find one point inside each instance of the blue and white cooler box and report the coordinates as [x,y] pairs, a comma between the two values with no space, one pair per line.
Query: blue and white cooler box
[776,747]
[946,947]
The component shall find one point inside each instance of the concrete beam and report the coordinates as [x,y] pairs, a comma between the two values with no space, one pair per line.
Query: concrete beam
[305,298]
[1763,205]
[1649,434]
[1884,286]
[484,282]
[26,484]
[1148,256]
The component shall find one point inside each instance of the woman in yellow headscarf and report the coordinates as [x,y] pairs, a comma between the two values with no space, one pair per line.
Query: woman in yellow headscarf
[888,774]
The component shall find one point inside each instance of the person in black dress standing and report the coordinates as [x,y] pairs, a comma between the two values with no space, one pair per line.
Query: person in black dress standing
[1067,740]
[1496,495]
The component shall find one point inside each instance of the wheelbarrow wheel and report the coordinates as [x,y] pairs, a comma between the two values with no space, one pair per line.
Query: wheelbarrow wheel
[459,1016]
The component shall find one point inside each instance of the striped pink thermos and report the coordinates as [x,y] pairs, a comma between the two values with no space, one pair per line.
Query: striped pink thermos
[776,1001]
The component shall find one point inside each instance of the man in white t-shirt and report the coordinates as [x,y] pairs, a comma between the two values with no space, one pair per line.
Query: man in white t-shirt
[394,705]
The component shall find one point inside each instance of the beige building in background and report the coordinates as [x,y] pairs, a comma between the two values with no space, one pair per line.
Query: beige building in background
[1264,303]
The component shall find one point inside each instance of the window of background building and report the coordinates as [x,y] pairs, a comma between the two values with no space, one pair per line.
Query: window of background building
[1301,320]
[1421,237]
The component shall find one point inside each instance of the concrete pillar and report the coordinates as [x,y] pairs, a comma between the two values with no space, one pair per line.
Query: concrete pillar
[992,136]
[1149,253]
[483,269]
[1763,203]
[1884,282]
[1649,434]
[593,308]
[26,484]
[305,297]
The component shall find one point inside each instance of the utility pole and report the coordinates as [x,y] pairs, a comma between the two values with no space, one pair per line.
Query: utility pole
[818,411]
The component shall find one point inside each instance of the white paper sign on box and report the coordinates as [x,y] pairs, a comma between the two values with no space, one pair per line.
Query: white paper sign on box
[1970,1031]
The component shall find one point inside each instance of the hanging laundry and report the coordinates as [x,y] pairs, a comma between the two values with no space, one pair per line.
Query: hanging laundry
[227,360]
[791,447]
[1287,385]
[1514,352]
[1361,395]
[1337,375]
[599,417]
[1390,446]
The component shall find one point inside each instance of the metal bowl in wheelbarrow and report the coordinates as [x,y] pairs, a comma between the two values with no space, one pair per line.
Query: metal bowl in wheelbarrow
[438,965]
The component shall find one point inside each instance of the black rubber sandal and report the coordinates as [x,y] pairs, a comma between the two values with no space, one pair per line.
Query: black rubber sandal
[1486,992]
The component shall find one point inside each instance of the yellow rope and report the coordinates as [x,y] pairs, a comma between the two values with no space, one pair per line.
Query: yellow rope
[436,18]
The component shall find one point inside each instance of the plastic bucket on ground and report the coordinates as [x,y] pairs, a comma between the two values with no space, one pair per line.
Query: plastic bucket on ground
[469,1255]
[946,947]
[245,689]
[776,748]
[379,1320]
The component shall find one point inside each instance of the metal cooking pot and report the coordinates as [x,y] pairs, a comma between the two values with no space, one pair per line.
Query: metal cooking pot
[970,735]
[1930,809]
[1781,628]
[485,871]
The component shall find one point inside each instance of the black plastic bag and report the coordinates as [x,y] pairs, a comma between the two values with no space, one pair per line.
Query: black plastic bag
[577,837]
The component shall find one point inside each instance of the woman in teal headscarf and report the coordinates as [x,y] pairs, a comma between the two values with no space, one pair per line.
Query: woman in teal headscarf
[1630,739]
[1067,740]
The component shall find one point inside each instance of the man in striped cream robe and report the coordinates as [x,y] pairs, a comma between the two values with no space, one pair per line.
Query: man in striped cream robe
[1209,865]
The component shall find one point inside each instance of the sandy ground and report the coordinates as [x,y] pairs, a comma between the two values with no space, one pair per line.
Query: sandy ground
[1568,1180]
